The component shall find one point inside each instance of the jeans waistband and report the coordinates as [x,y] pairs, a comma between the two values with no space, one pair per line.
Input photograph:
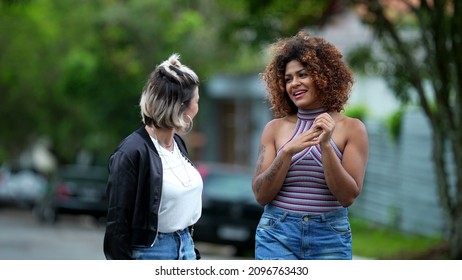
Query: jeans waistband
[179,232]
[335,214]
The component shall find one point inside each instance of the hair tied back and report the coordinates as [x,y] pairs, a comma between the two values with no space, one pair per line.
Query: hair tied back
[174,60]
[177,71]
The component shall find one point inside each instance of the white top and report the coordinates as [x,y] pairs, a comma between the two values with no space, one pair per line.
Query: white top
[181,200]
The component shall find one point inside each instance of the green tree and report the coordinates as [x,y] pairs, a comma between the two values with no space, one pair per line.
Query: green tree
[73,70]
[422,42]
[24,87]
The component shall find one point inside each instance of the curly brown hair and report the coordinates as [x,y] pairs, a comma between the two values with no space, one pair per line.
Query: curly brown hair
[332,78]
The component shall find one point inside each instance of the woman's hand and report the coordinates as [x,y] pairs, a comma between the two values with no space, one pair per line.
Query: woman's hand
[304,140]
[326,124]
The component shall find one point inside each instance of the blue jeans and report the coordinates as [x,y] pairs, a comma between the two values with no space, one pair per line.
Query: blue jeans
[283,235]
[177,245]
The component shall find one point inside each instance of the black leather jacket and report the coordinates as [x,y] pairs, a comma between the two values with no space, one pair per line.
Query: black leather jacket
[134,190]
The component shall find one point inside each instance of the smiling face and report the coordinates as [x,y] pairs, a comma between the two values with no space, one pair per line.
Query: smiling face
[300,86]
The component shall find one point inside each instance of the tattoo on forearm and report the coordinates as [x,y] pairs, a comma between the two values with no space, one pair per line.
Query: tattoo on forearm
[261,157]
[277,164]
[270,174]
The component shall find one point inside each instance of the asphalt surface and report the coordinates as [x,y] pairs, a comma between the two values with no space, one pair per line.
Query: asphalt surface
[23,237]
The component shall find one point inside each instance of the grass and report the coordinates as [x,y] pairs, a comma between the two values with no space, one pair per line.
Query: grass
[378,242]
[382,243]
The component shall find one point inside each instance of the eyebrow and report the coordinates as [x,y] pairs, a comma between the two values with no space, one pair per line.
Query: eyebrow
[296,72]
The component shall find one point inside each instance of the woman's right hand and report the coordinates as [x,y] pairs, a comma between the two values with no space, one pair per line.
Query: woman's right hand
[303,140]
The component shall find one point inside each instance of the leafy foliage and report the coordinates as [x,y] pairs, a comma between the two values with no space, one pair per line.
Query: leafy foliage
[394,123]
[359,112]
[73,70]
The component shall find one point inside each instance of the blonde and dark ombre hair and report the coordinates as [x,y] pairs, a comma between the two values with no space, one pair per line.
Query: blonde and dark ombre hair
[167,94]
[324,63]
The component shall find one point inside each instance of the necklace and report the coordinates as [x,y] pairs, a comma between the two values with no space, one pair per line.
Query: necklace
[166,146]
[178,155]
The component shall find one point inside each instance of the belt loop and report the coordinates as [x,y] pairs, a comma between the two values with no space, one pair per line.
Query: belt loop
[191,230]
[284,216]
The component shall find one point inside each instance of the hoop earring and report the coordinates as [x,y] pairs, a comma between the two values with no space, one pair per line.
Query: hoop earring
[191,124]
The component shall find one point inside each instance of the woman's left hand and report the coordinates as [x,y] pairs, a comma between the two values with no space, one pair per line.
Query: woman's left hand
[327,124]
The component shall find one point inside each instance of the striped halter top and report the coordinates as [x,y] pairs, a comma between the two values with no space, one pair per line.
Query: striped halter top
[304,189]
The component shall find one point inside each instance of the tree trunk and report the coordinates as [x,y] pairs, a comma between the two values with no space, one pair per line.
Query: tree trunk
[455,237]
[449,190]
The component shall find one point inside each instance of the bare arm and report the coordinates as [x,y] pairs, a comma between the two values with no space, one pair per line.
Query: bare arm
[271,168]
[345,178]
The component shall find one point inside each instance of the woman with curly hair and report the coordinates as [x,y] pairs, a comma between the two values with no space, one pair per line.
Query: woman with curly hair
[312,158]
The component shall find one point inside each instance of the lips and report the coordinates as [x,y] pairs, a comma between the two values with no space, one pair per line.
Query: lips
[299,93]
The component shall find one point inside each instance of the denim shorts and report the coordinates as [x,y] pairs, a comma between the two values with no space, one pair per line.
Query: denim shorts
[177,245]
[283,235]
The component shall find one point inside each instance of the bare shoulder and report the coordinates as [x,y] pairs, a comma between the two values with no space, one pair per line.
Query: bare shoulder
[276,125]
[348,130]
[356,126]
[273,124]
[349,125]
[279,130]
[355,133]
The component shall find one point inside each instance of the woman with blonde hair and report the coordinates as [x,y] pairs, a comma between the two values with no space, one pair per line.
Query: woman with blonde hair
[154,190]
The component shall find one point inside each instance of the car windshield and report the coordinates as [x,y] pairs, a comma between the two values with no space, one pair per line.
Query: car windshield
[228,186]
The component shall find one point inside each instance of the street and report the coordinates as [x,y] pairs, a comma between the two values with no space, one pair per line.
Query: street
[23,237]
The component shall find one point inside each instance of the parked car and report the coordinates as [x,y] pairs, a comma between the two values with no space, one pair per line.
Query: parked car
[75,190]
[22,187]
[230,213]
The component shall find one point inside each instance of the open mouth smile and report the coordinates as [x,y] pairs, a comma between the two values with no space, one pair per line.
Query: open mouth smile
[299,94]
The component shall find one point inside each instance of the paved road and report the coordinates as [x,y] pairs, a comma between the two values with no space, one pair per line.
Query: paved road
[22,237]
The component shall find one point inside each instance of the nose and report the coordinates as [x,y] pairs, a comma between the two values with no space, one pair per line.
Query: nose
[295,81]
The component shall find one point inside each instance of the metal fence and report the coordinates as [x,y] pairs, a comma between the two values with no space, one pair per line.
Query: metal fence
[400,185]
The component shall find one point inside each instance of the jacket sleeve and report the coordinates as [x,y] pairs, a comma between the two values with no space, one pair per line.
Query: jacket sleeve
[121,191]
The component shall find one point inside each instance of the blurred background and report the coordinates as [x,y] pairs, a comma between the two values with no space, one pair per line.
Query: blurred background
[71,74]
